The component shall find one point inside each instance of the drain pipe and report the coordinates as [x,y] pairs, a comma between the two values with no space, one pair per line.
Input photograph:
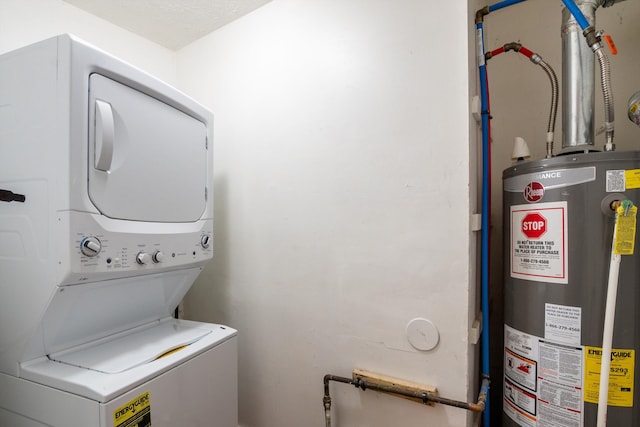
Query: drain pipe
[607,335]
[624,209]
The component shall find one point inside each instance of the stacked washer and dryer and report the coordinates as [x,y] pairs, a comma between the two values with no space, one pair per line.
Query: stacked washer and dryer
[106,220]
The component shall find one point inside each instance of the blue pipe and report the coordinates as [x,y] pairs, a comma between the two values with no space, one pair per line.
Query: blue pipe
[577,13]
[569,4]
[502,4]
[484,245]
[486,190]
[484,257]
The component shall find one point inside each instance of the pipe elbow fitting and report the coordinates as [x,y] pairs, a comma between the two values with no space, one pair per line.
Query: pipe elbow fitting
[512,46]
[481,13]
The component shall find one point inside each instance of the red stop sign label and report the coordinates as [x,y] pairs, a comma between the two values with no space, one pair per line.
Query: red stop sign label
[534,225]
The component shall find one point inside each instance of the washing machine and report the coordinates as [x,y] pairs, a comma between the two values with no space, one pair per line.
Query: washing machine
[106,220]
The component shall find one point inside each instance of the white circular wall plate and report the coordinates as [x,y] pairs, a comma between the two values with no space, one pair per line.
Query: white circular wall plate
[422,334]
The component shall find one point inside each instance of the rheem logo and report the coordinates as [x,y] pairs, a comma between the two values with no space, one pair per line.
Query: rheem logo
[533,192]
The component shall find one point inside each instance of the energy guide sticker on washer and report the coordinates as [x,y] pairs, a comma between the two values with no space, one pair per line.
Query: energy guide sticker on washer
[538,236]
[135,413]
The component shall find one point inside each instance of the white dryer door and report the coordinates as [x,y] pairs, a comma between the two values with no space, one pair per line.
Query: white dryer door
[147,159]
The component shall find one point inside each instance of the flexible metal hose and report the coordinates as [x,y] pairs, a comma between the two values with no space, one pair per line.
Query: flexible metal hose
[605,78]
[537,59]
[554,105]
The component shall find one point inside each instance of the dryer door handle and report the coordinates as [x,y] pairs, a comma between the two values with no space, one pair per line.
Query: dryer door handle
[104,136]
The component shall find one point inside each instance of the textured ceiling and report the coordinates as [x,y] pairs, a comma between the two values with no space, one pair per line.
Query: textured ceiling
[171,23]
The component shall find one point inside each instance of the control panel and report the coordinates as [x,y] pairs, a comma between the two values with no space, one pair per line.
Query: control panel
[140,248]
[119,252]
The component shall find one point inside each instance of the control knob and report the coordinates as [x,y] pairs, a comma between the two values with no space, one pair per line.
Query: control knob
[90,246]
[205,241]
[143,258]
[158,256]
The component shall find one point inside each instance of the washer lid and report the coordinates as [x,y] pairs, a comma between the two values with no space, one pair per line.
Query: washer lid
[147,159]
[129,351]
[103,387]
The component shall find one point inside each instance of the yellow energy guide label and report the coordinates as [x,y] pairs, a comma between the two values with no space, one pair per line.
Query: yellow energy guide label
[135,413]
[632,178]
[620,376]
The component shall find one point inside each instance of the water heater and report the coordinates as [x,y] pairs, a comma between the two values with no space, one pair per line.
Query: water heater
[558,232]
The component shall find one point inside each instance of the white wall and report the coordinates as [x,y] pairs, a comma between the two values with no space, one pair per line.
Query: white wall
[342,204]
[23,22]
